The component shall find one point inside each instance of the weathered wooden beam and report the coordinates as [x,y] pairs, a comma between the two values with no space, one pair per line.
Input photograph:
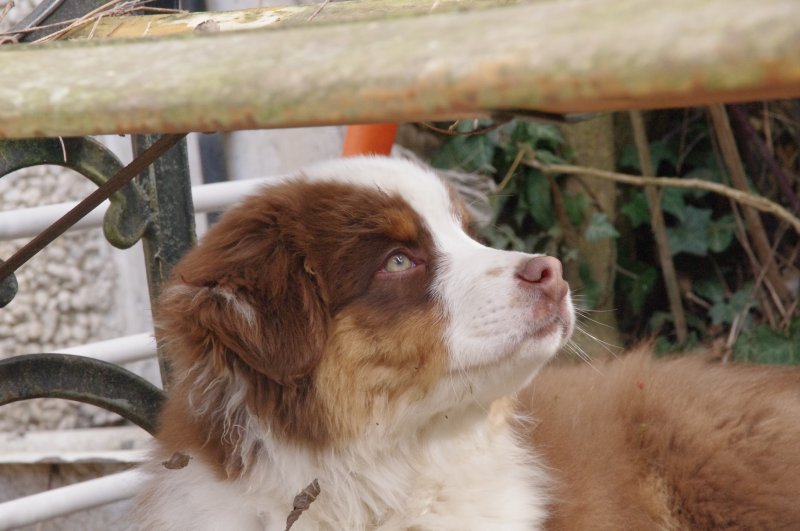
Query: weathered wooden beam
[564,56]
[117,27]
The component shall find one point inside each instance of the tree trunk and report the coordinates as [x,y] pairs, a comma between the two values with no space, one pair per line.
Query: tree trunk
[593,145]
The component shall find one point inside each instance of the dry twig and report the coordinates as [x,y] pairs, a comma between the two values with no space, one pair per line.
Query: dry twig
[730,154]
[452,130]
[769,291]
[6,8]
[744,198]
[659,228]
[111,8]
[302,502]
[176,462]
[318,10]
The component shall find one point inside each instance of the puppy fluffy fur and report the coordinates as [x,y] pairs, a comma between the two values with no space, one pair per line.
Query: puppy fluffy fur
[343,326]
[680,444]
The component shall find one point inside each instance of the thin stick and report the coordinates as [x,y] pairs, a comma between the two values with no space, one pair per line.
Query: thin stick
[743,198]
[318,10]
[659,228]
[112,8]
[727,144]
[6,8]
[758,270]
[511,169]
[783,177]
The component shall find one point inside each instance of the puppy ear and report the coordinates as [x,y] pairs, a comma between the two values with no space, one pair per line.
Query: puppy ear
[244,298]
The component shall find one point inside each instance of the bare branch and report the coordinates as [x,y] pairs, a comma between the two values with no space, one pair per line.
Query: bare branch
[744,198]
[755,229]
[302,502]
[659,228]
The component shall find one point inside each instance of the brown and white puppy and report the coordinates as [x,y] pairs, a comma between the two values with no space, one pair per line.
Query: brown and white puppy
[344,327]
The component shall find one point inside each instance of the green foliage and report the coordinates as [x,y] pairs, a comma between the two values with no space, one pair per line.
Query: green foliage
[660,153]
[762,344]
[535,214]
[690,234]
[713,269]
[591,289]
[576,205]
[694,232]
[468,153]
[636,208]
[600,228]
[527,208]
[538,199]
[640,286]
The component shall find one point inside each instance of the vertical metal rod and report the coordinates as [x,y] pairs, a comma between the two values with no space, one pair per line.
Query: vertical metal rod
[171,233]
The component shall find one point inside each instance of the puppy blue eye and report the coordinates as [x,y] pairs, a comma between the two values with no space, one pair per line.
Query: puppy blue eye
[398,262]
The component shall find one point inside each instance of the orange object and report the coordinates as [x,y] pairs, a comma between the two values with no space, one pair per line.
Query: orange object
[371,139]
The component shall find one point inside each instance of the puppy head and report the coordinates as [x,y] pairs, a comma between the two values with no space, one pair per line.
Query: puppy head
[348,301]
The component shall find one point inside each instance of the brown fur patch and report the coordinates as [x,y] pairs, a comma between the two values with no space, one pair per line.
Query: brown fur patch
[281,284]
[680,444]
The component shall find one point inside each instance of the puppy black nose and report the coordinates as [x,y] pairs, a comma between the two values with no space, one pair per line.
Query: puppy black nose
[544,273]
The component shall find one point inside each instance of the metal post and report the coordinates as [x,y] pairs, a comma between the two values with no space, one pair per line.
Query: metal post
[171,232]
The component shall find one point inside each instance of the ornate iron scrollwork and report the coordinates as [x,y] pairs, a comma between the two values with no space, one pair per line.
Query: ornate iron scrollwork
[127,217]
[82,379]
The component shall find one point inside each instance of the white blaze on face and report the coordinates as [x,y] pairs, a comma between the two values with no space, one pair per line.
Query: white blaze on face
[496,314]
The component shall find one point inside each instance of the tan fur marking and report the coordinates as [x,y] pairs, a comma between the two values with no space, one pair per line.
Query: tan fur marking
[364,373]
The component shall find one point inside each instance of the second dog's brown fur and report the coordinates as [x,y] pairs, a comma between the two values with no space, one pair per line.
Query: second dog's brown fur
[683,444]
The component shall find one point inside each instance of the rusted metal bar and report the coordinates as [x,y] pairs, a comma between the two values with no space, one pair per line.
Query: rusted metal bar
[550,56]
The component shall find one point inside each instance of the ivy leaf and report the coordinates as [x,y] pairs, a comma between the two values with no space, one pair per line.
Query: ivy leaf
[503,237]
[548,157]
[761,344]
[641,288]
[672,202]
[591,288]
[536,135]
[725,311]
[575,205]
[691,235]
[721,232]
[721,313]
[659,153]
[636,208]
[547,135]
[705,174]
[466,153]
[600,228]
[539,199]
[709,289]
